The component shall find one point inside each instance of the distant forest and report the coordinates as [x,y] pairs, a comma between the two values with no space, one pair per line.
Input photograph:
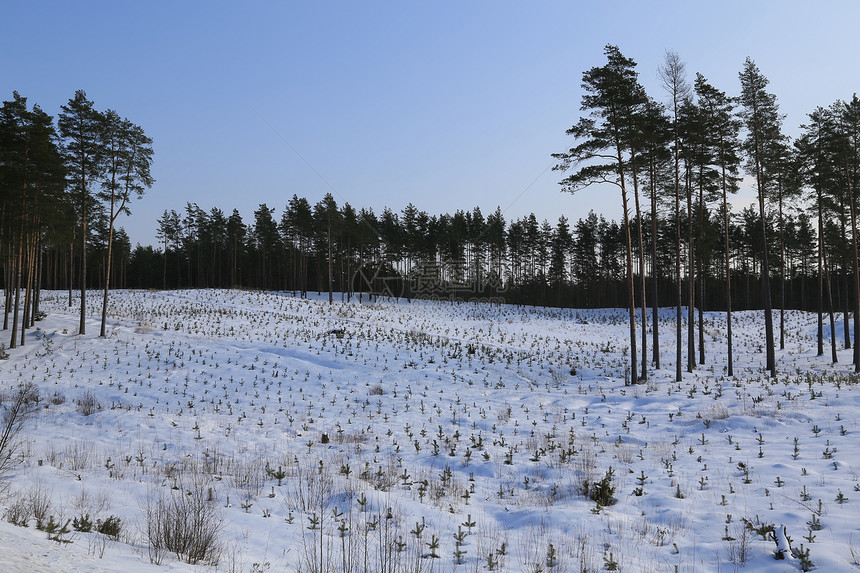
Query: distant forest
[461,256]
[675,163]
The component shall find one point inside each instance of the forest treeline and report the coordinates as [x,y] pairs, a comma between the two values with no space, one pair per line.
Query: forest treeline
[673,160]
[62,188]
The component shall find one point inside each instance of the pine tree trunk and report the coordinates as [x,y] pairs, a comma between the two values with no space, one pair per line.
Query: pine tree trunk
[691,284]
[729,360]
[103,332]
[631,295]
[655,322]
[820,279]
[830,311]
[678,287]
[856,291]
[71,279]
[643,298]
[37,294]
[16,285]
[781,272]
[82,329]
[330,278]
[701,275]
[28,285]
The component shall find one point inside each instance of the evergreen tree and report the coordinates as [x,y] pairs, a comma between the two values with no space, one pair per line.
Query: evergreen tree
[80,127]
[612,95]
[586,267]
[848,122]
[169,232]
[722,132]
[218,235]
[31,197]
[657,133]
[236,233]
[562,242]
[673,76]
[327,223]
[127,156]
[267,245]
[763,122]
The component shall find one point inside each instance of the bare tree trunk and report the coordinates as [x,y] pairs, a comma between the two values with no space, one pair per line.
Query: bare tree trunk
[701,275]
[691,283]
[655,322]
[7,295]
[17,286]
[856,291]
[82,329]
[71,278]
[641,270]
[631,300]
[26,318]
[830,310]
[102,334]
[330,280]
[37,295]
[730,359]
[781,270]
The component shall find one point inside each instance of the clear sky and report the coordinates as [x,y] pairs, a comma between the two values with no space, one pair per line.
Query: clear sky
[445,104]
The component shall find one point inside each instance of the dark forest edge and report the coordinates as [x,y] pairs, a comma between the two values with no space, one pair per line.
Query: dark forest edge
[63,187]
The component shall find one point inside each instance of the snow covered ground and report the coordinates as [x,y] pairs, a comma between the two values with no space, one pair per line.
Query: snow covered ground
[422,436]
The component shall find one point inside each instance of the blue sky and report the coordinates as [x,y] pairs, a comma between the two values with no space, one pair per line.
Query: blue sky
[448,105]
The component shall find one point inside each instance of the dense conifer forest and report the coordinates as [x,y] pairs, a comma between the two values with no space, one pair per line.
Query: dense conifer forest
[676,157]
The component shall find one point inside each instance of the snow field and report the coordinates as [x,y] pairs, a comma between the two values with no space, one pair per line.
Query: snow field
[427,436]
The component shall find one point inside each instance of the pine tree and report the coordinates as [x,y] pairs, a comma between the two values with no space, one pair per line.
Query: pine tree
[236,233]
[562,242]
[327,222]
[815,150]
[31,181]
[722,132]
[673,76]
[763,123]
[80,126]
[657,134]
[613,98]
[848,121]
[127,157]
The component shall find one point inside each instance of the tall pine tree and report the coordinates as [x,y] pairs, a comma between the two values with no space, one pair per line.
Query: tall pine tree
[605,148]
[763,124]
[80,127]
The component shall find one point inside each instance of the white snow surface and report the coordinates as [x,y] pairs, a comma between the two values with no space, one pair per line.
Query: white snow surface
[394,423]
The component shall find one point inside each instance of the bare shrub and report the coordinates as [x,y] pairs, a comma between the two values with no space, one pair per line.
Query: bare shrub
[18,511]
[79,455]
[585,466]
[583,553]
[97,545]
[248,474]
[18,407]
[86,502]
[853,551]
[738,546]
[312,495]
[52,455]
[39,501]
[87,404]
[184,522]
[530,554]
[718,411]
